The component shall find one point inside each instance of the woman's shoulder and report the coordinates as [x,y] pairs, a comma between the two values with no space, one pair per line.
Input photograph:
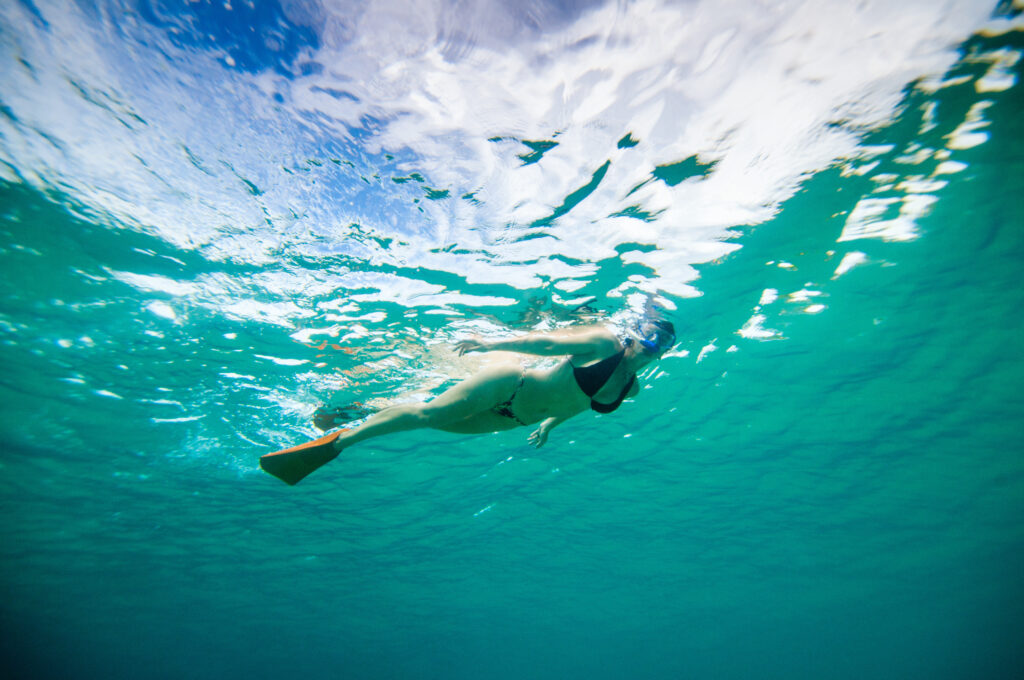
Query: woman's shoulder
[598,341]
[597,332]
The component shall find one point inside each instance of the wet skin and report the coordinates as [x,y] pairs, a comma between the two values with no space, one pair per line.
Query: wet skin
[547,396]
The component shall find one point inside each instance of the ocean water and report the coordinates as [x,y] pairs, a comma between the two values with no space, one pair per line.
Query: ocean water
[217,216]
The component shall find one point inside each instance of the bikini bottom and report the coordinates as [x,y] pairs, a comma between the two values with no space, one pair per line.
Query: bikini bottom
[505,408]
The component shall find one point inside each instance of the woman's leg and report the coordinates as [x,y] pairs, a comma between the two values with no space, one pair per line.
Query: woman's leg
[461,402]
[481,423]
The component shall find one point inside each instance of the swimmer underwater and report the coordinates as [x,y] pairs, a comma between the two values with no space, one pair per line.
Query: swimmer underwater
[599,372]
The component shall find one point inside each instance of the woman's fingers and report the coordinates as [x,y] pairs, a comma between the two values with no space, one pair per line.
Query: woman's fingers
[472,345]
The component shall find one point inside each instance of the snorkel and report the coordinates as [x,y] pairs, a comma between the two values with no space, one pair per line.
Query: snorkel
[654,335]
[650,330]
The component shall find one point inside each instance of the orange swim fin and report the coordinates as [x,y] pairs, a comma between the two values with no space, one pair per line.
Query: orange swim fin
[292,465]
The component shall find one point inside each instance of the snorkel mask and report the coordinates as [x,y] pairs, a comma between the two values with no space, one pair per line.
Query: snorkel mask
[655,336]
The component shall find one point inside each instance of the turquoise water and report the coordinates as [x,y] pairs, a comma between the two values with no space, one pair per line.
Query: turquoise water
[208,231]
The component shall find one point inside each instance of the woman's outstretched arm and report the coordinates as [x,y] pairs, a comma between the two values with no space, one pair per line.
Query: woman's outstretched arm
[582,342]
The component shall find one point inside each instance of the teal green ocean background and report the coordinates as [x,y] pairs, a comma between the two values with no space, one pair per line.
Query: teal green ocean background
[837,494]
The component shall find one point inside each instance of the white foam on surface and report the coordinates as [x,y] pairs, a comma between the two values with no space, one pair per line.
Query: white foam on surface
[754,329]
[768,296]
[970,133]
[162,309]
[215,159]
[849,261]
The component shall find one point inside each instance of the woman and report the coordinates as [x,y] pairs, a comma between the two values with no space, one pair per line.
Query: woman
[598,373]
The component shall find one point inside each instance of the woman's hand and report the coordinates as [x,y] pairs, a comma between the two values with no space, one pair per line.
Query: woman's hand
[471,345]
[539,436]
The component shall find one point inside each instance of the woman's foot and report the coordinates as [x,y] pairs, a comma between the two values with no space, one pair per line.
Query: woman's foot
[338,444]
[293,464]
[325,418]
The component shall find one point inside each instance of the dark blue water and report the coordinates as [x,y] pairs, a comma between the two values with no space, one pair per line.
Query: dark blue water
[215,217]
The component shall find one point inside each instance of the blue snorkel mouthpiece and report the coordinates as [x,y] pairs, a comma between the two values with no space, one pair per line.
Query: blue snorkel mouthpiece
[655,336]
[651,345]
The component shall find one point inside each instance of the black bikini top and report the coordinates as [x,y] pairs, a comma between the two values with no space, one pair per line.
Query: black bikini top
[593,377]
